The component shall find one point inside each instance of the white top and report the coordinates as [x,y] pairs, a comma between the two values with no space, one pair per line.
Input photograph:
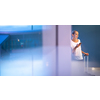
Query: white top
[77,55]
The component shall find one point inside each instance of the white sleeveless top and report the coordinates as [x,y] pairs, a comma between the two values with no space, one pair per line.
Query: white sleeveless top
[77,55]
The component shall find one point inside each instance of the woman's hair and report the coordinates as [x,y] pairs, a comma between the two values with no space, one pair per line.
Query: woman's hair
[74,32]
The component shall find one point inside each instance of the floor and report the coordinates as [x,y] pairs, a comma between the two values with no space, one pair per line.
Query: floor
[22,62]
[94,71]
[81,69]
[29,62]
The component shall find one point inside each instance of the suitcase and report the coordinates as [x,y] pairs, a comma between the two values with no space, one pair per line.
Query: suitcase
[86,64]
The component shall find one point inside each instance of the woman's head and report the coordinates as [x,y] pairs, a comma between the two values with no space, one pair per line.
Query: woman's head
[75,34]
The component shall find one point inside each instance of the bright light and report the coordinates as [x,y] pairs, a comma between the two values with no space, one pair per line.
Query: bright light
[18,40]
[93,68]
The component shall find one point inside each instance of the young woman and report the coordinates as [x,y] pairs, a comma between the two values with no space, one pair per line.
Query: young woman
[77,68]
[76,47]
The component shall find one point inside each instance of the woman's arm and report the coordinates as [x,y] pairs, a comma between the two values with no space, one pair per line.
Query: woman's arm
[85,53]
[76,47]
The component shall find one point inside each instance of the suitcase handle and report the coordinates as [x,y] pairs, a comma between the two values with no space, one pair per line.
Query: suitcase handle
[85,55]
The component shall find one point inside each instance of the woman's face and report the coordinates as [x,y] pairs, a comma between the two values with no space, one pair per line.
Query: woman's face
[75,35]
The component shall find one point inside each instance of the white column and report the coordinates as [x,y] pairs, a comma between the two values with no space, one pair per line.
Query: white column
[49,50]
[64,50]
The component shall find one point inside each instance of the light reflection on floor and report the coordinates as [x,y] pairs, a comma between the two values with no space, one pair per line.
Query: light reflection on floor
[94,71]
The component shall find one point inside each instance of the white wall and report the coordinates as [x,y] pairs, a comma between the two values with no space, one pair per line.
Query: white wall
[64,50]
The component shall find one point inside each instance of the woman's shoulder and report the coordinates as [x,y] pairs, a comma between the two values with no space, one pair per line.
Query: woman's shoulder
[71,40]
[79,40]
[75,42]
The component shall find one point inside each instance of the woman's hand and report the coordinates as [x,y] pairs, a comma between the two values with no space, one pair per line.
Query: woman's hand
[76,47]
[87,54]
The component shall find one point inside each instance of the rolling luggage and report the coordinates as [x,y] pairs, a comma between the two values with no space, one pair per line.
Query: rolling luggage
[86,64]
